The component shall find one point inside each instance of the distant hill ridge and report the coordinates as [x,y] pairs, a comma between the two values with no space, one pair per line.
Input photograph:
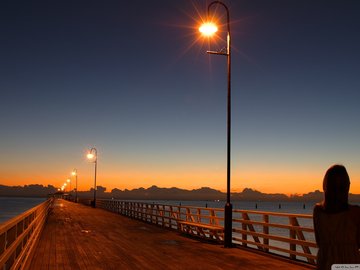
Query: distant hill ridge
[157,193]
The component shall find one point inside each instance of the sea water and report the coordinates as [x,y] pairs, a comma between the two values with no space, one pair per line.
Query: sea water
[12,206]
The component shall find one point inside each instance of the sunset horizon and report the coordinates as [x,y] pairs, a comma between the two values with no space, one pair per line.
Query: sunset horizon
[87,187]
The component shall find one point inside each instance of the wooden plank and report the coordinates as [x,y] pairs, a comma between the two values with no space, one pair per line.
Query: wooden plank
[206,231]
[201,225]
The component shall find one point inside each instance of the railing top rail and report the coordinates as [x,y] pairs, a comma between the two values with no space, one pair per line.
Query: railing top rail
[280,214]
[276,225]
[172,205]
[13,221]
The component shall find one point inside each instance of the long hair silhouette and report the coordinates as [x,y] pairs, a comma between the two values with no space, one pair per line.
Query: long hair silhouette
[336,186]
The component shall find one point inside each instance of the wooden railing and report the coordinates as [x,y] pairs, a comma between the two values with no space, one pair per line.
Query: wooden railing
[19,236]
[271,232]
[279,233]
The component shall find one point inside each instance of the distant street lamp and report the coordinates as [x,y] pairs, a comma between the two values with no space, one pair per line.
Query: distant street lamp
[64,187]
[208,29]
[74,173]
[69,181]
[92,156]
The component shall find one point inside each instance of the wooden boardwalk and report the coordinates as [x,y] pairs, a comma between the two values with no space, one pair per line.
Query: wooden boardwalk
[80,237]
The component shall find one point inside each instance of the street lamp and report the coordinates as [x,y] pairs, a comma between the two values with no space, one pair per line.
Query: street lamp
[64,186]
[74,173]
[92,155]
[208,29]
[69,181]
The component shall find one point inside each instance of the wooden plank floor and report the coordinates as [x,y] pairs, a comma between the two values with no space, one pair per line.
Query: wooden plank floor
[80,237]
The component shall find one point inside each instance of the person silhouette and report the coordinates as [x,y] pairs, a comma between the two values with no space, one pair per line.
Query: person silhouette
[336,222]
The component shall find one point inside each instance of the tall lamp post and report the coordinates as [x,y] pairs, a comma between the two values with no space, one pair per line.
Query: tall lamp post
[64,185]
[69,181]
[74,173]
[92,155]
[208,29]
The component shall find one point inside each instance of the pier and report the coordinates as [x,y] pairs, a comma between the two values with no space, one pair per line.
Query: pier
[76,236]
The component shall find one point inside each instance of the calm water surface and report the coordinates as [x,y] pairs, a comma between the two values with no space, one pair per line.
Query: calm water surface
[12,206]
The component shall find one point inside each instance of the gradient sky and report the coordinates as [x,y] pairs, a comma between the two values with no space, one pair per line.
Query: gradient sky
[132,79]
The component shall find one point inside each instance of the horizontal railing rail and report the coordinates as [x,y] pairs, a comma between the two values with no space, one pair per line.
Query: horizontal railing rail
[284,234]
[19,236]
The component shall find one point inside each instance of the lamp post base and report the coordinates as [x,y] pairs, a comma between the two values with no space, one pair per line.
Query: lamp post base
[228,226]
[93,203]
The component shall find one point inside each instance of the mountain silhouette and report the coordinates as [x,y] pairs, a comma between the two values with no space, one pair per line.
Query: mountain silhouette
[173,193]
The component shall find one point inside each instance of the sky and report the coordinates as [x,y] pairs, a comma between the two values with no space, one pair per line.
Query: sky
[132,78]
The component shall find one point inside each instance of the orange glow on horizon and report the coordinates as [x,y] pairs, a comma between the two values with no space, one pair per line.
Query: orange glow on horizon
[264,179]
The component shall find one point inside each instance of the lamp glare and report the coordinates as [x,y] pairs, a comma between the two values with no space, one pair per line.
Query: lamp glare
[208,29]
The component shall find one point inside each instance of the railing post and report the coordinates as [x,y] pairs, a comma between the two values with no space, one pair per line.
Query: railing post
[292,234]
[171,215]
[266,231]
[152,214]
[179,212]
[139,211]
[141,206]
[244,227]
[127,211]
[144,206]
[157,212]
[134,207]
[133,210]
[162,214]
[188,215]
[148,213]
[213,220]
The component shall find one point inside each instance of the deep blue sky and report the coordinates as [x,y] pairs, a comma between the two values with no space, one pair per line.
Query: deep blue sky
[132,79]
